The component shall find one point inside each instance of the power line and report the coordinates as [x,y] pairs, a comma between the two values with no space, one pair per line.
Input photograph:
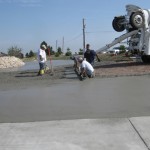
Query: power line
[99,32]
[75,38]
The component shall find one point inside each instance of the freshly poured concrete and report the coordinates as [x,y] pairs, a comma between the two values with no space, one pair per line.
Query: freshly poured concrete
[92,98]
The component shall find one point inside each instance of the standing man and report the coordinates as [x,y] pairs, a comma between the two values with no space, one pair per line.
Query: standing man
[42,58]
[90,55]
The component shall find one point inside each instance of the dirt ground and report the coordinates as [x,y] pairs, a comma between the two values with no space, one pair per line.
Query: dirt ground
[24,79]
[127,68]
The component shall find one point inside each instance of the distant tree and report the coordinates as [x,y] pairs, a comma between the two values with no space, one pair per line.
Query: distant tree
[80,51]
[15,51]
[122,49]
[31,54]
[68,53]
[51,50]
[27,55]
[43,43]
[57,54]
[59,50]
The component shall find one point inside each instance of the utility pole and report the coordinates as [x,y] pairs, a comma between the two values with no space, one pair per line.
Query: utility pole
[83,35]
[63,45]
[56,45]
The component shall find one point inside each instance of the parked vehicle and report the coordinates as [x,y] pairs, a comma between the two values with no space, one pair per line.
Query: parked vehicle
[114,52]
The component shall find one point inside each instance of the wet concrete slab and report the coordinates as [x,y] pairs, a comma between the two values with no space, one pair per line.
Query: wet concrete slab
[76,102]
[70,73]
[91,98]
[85,134]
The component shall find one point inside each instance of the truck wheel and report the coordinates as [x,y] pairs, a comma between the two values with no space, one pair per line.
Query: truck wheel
[137,20]
[146,58]
[117,24]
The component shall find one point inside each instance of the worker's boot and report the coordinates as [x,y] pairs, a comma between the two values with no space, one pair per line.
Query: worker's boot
[41,72]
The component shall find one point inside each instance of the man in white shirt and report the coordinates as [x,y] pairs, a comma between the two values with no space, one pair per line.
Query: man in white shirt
[42,59]
[86,68]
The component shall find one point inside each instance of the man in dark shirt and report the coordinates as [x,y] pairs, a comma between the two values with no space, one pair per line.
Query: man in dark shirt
[90,55]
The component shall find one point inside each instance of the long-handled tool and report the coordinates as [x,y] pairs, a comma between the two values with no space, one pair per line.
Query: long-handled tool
[49,54]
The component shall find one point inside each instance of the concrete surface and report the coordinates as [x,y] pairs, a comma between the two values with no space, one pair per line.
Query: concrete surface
[121,97]
[142,125]
[130,133]
[84,134]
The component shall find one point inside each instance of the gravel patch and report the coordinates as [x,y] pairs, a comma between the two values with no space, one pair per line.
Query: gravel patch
[10,61]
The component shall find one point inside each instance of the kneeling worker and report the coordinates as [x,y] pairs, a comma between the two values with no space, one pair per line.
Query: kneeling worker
[86,68]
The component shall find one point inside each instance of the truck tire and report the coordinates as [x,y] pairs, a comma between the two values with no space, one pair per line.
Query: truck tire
[117,24]
[137,20]
[145,58]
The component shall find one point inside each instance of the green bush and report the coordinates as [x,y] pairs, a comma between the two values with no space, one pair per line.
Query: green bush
[57,54]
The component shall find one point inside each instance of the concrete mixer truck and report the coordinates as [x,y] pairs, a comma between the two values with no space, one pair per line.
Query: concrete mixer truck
[136,23]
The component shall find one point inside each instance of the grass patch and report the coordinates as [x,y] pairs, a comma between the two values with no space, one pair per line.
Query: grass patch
[116,58]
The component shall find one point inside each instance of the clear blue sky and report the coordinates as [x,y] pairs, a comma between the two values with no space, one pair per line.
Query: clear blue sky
[26,23]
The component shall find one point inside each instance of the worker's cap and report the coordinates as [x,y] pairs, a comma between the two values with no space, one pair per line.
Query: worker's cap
[43,46]
[80,59]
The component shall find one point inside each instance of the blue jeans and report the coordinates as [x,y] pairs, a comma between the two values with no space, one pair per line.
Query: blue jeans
[42,66]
